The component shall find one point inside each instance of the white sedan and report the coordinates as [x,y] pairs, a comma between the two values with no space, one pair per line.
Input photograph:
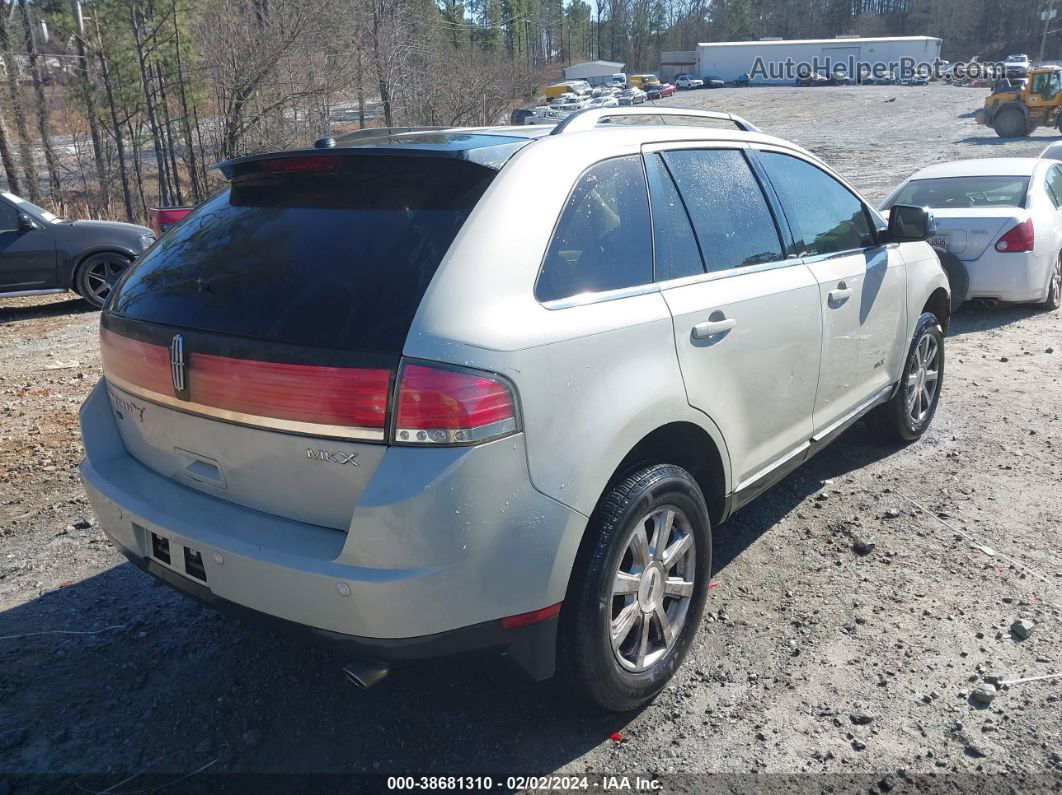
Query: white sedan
[688,81]
[1001,218]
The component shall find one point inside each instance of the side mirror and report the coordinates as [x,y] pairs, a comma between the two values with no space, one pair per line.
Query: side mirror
[908,223]
[26,223]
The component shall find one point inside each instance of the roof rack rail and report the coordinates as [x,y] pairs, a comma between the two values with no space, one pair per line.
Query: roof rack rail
[588,118]
[376,132]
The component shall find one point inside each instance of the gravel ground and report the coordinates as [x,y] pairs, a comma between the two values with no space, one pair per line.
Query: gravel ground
[812,658]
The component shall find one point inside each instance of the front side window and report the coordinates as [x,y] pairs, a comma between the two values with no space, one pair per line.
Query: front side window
[8,217]
[827,216]
[602,241]
[730,215]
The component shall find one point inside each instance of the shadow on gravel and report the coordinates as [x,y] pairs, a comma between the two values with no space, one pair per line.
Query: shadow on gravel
[973,317]
[995,140]
[853,450]
[177,686]
[17,314]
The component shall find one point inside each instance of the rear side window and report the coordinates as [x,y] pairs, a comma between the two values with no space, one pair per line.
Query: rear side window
[602,240]
[333,260]
[730,215]
[1054,186]
[826,215]
[674,243]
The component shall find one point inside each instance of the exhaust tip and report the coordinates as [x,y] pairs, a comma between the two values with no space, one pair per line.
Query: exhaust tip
[365,673]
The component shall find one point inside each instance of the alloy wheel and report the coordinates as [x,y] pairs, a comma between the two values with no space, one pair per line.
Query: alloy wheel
[652,588]
[923,376]
[1055,292]
[102,275]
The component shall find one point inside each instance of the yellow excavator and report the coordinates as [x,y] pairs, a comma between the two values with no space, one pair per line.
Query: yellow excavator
[1016,108]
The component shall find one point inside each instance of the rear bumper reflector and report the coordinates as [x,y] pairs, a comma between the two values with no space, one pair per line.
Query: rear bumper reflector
[535,616]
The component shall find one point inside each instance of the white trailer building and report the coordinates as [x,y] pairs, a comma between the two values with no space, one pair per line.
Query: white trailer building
[593,72]
[777,60]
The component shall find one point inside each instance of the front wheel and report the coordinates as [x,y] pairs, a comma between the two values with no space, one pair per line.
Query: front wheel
[908,413]
[1010,123]
[638,589]
[97,275]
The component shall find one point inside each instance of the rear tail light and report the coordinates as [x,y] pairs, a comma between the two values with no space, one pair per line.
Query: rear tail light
[1018,239]
[434,404]
[443,405]
[338,402]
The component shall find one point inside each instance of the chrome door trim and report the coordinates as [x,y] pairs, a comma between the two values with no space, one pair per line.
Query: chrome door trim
[880,396]
[24,293]
[767,470]
[583,299]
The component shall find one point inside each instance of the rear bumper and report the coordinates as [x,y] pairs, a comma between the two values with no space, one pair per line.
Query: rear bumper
[531,647]
[410,569]
[1017,278]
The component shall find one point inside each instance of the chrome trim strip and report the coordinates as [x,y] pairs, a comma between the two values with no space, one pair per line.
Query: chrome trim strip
[596,298]
[752,479]
[251,420]
[711,276]
[878,397]
[24,293]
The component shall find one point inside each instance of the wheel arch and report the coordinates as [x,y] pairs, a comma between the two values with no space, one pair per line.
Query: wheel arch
[939,303]
[692,447]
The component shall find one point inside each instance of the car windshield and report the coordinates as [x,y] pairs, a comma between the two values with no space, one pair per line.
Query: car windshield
[22,204]
[962,192]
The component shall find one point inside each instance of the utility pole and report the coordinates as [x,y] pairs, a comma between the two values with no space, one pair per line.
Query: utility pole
[1046,15]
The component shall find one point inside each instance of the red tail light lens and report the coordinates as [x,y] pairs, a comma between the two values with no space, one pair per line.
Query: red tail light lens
[340,402]
[439,405]
[347,396]
[1018,239]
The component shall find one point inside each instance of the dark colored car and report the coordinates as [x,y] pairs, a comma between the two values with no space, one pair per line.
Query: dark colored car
[743,81]
[41,253]
[713,81]
[519,115]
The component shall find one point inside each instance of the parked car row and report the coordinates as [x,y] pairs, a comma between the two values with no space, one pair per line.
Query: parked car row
[384,457]
[688,81]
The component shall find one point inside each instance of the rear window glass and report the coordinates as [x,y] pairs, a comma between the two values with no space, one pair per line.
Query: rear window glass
[329,260]
[964,192]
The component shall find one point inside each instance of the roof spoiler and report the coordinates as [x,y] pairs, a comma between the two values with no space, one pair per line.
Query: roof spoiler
[589,118]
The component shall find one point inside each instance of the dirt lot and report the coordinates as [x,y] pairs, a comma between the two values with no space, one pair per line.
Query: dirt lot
[804,640]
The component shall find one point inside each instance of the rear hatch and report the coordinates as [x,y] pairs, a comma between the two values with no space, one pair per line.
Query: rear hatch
[967,232]
[251,353]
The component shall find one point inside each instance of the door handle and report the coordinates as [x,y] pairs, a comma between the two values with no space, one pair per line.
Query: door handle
[709,328]
[841,294]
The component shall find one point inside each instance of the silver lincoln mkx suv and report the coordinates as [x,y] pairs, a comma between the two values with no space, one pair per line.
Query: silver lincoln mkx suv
[438,390]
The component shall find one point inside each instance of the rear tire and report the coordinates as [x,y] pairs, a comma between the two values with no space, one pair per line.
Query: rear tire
[1010,123]
[958,278]
[615,650]
[908,413]
[1054,289]
[97,274]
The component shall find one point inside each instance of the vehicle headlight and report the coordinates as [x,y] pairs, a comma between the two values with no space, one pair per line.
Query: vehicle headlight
[145,242]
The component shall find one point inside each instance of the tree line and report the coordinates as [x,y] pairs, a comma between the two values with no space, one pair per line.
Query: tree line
[109,107]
